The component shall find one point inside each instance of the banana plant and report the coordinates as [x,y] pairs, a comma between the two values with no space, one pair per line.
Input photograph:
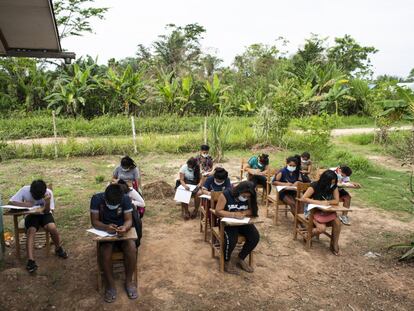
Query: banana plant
[186,91]
[168,90]
[336,93]
[127,87]
[215,93]
[70,93]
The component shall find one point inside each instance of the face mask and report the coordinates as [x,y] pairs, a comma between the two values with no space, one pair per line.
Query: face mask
[332,186]
[218,183]
[291,168]
[204,155]
[304,161]
[242,198]
[339,176]
[112,207]
[190,169]
[125,169]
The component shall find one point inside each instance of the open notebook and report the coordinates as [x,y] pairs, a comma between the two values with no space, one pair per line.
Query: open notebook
[318,206]
[230,220]
[21,208]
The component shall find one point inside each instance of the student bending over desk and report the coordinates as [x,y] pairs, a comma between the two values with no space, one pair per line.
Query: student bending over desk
[325,192]
[38,194]
[239,202]
[111,211]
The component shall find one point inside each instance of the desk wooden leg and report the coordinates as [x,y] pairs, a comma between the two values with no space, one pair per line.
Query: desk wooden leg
[16,235]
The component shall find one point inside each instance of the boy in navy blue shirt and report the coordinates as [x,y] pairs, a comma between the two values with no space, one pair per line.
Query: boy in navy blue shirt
[111,211]
[218,182]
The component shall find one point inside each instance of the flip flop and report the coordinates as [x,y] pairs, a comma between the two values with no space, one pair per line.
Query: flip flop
[131,291]
[110,295]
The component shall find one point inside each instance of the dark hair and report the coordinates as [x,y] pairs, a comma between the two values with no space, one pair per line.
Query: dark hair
[323,185]
[38,189]
[243,187]
[114,194]
[127,162]
[124,186]
[346,170]
[205,148]
[264,159]
[305,155]
[194,164]
[220,173]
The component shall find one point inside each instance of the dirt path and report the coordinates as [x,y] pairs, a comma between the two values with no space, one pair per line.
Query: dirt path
[51,140]
[176,271]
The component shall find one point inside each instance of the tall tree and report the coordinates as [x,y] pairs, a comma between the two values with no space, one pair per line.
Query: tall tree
[74,16]
[352,57]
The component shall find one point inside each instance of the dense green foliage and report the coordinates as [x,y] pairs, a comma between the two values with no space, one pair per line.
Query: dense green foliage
[174,76]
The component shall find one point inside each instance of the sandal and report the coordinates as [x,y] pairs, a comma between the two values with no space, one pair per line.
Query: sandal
[335,252]
[131,291]
[110,295]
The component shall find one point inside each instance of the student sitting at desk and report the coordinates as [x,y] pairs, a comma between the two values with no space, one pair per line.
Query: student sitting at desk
[344,173]
[111,211]
[129,172]
[33,195]
[205,161]
[190,174]
[218,182]
[325,192]
[289,176]
[239,202]
[256,168]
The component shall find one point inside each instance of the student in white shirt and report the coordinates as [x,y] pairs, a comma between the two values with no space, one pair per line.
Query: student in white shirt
[33,195]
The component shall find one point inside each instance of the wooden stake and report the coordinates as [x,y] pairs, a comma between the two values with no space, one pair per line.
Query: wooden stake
[2,243]
[55,132]
[205,130]
[134,137]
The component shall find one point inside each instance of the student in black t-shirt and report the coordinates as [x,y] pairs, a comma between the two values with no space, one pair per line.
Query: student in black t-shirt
[325,192]
[111,211]
[239,202]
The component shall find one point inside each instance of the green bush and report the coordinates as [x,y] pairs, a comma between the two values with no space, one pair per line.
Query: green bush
[360,139]
[342,157]
[40,125]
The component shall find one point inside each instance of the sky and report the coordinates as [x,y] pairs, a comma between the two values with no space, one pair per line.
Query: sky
[233,25]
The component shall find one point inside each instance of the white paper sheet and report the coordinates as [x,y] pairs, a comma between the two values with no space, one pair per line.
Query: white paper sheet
[21,208]
[205,196]
[182,195]
[230,220]
[312,206]
[280,188]
[100,233]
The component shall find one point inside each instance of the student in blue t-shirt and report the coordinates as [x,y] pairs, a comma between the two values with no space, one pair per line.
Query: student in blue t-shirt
[111,211]
[218,182]
[290,175]
[257,167]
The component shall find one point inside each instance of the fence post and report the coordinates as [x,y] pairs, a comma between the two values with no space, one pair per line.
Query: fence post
[134,136]
[2,243]
[55,132]
[205,130]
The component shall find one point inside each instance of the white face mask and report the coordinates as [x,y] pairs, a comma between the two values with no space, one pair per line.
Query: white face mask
[219,183]
[190,169]
[291,168]
[242,198]
[125,169]
[112,207]
[204,155]
[304,161]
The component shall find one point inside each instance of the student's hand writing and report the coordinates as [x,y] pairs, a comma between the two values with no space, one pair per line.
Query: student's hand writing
[187,188]
[325,203]
[121,230]
[112,228]
[238,215]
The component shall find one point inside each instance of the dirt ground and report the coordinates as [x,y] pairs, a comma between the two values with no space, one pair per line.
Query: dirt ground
[176,271]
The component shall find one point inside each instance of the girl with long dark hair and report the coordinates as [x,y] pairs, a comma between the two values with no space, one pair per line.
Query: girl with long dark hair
[325,192]
[239,202]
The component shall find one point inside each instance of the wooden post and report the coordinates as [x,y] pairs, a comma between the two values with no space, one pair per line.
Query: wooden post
[55,133]
[205,130]
[2,243]
[134,137]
